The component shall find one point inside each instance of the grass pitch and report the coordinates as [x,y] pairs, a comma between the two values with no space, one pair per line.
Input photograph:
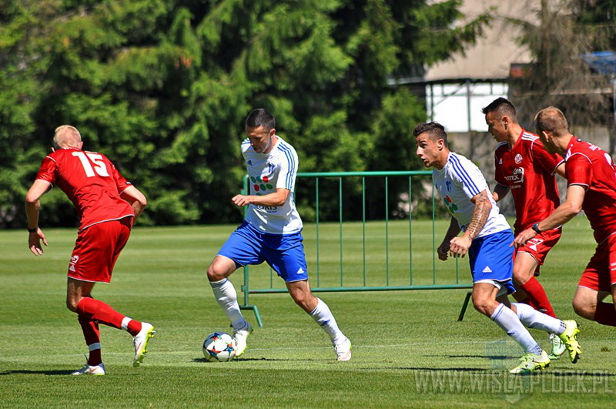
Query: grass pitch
[409,350]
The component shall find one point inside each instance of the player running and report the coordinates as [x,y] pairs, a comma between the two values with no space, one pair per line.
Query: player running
[591,177]
[271,232]
[486,238]
[101,196]
[524,167]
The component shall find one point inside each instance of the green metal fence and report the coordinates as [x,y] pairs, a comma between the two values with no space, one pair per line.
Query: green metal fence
[387,261]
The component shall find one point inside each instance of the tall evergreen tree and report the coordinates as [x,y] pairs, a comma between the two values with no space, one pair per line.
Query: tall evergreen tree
[163,87]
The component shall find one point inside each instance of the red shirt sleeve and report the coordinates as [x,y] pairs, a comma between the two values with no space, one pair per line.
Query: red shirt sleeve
[47,171]
[120,181]
[579,170]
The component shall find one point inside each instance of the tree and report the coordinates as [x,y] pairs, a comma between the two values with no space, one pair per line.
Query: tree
[558,75]
[163,87]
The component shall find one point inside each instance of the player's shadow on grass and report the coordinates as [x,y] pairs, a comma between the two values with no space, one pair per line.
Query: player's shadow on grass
[489,357]
[431,369]
[50,373]
[263,360]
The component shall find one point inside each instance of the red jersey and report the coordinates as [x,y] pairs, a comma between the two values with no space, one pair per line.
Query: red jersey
[527,169]
[90,181]
[589,166]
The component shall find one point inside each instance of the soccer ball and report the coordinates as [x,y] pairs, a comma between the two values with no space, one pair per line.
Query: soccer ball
[219,346]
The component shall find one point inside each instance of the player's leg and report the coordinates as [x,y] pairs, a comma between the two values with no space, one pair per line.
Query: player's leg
[91,333]
[492,269]
[96,252]
[484,301]
[224,291]
[524,268]
[597,282]
[322,315]
[286,256]
[565,330]
[524,274]
[589,304]
[243,247]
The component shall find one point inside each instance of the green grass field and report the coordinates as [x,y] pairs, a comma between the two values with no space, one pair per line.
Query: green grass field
[409,349]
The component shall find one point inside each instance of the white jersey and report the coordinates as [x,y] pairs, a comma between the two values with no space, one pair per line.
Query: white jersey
[268,172]
[457,183]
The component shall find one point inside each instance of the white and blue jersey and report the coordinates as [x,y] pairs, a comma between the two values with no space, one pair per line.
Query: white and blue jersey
[490,254]
[268,172]
[270,233]
[457,183]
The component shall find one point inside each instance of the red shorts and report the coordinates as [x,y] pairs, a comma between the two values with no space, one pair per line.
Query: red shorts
[97,248]
[600,273]
[540,245]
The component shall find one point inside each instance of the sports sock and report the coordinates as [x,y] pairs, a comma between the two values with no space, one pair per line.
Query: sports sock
[131,325]
[92,336]
[227,299]
[324,317]
[535,319]
[605,314]
[538,298]
[96,310]
[509,321]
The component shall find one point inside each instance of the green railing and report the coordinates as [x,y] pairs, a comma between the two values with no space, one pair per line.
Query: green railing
[325,241]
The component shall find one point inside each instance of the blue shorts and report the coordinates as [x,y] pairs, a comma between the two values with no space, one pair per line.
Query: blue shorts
[491,258]
[283,252]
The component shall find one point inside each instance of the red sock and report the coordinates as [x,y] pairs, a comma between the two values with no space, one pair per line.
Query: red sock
[605,314]
[93,338]
[538,298]
[134,327]
[97,310]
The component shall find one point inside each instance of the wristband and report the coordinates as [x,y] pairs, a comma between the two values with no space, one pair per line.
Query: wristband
[33,230]
[535,227]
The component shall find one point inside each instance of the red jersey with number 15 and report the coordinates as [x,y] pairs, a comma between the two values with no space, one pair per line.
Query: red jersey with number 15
[527,169]
[591,167]
[90,181]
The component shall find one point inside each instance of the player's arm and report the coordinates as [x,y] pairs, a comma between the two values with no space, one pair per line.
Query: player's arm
[563,213]
[459,245]
[452,231]
[33,205]
[500,191]
[560,169]
[136,199]
[277,198]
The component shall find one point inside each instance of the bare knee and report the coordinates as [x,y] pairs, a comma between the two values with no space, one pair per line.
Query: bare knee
[480,307]
[220,269]
[305,300]
[71,303]
[584,309]
[484,306]
[213,274]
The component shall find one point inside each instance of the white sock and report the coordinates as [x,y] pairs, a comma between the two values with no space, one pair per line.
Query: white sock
[227,299]
[323,316]
[125,322]
[535,319]
[509,321]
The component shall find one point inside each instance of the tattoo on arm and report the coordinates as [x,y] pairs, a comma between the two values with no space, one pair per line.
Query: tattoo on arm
[480,215]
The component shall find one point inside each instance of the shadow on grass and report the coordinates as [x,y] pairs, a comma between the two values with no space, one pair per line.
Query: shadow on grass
[263,359]
[50,373]
[425,369]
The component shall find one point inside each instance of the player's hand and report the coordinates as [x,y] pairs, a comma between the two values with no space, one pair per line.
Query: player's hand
[523,237]
[458,246]
[241,200]
[443,251]
[34,242]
